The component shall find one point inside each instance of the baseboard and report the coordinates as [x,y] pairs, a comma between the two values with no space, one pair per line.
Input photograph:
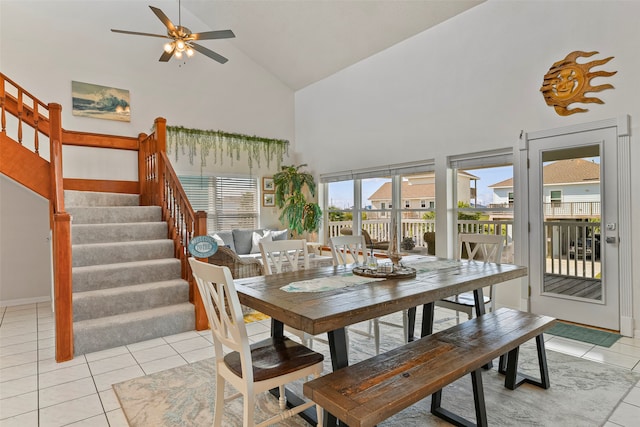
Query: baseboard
[24,301]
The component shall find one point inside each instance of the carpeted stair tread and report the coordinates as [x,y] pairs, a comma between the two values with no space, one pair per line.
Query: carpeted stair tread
[117,252]
[125,299]
[122,329]
[102,276]
[118,232]
[114,214]
[73,198]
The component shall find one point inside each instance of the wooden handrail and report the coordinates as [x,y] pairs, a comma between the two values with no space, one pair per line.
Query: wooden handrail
[160,186]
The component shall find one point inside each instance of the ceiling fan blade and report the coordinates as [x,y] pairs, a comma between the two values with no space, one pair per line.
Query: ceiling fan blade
[135,33]
[211,54]
[212,35]
[166,56]
[165,20]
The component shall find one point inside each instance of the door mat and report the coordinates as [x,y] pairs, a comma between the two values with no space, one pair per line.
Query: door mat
[580,333]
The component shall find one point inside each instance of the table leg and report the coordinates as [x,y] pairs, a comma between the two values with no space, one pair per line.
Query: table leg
[478,296]
[277,328]
[427,319]
[411,323]
[339,359]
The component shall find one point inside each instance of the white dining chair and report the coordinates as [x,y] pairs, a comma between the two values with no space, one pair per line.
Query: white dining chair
[250,368]
[348,250]
[287,255]
[481,247]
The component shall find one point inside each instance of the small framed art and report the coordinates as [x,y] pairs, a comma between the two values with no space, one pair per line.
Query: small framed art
[267,185]
[268,199]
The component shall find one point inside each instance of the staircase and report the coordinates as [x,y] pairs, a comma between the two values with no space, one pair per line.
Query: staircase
[127,284]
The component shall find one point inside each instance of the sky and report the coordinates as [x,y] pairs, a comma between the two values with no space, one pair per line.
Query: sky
[341,193]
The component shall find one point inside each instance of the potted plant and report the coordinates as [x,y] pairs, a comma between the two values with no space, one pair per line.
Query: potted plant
[298,214]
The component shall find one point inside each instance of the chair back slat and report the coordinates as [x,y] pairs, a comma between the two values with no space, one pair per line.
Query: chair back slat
[485,247]
[284,255]
[348,248]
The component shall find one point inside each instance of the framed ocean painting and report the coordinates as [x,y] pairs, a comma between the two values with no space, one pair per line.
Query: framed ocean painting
[100,102]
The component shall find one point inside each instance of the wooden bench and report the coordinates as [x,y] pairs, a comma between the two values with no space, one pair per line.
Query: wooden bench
[371,391]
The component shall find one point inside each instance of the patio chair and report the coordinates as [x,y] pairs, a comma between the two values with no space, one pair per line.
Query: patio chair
[346,250]
[482,247]
[250,368]
[371,243]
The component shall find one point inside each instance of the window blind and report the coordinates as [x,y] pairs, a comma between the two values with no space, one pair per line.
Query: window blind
[230,202]
[380,171]
[482,160]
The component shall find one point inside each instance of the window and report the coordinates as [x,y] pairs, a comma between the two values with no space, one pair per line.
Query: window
[230,202]
[407,204]
[485,195]
[423,203]
[555,197]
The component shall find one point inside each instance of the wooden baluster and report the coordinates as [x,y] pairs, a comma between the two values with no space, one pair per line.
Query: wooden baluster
[3,113]
[36,142]
[20,108]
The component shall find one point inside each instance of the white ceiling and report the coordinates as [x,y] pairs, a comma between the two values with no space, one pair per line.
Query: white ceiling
[303,41]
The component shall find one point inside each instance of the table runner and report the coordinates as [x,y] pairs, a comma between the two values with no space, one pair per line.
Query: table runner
[323,284]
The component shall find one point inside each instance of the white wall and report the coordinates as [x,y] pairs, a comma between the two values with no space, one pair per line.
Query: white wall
[471,84]
[44,45]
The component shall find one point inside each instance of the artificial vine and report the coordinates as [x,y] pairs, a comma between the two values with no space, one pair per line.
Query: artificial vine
[224,144]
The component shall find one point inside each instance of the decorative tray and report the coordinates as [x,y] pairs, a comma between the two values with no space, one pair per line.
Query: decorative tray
[386,272]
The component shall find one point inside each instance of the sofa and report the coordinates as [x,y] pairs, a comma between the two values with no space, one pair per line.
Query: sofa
[238,249]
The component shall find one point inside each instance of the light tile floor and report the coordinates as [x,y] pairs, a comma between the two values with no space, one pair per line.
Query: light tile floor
[37,391]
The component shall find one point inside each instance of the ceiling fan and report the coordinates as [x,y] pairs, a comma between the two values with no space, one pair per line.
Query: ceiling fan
[183,39]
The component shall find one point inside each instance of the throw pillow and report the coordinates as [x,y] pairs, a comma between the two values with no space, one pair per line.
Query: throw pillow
[218,240]
[280,234]
[256,238]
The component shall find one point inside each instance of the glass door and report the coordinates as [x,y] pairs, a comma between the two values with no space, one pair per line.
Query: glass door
[573,235]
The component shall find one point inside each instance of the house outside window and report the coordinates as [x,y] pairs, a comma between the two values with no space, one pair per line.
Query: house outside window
[511,198]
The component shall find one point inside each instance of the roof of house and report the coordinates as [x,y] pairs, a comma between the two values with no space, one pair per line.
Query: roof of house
[409,191]
[568,171]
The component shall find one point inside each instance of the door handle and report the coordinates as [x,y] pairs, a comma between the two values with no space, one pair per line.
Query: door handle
[611,239]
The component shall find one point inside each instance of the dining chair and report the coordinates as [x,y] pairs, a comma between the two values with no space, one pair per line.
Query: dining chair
[481,247]
[287,255]
[347,250]
[250,368]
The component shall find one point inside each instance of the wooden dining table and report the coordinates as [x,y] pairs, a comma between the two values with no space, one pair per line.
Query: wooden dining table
[330,311]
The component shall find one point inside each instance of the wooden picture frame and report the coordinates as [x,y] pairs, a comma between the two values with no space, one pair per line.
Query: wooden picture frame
[268,200]
[267,185]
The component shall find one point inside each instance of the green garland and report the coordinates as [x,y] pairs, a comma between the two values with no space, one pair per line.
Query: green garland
[221,143]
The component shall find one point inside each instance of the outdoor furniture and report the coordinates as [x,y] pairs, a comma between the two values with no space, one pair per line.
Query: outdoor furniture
[250,369]
[333,310]
[371,243]
[484,247]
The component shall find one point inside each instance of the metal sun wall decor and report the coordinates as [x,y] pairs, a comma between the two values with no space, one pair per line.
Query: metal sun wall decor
[567,82]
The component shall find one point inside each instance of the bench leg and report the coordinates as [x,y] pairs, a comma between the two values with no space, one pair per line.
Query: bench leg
[478,399]
[339,359]
[513,379]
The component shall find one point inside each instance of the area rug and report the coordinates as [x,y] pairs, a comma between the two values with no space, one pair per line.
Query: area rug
[582,393]
[580,333]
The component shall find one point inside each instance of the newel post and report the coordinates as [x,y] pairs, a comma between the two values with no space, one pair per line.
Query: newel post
[62,286]
[161,147]
[200,229]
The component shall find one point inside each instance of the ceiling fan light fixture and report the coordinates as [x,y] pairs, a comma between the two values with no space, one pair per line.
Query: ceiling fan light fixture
[168,47]
[178,54]
[180,45]
[189,51]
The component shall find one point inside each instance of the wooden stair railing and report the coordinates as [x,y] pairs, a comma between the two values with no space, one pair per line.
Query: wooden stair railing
[40,118]
[45,178]
[159,186]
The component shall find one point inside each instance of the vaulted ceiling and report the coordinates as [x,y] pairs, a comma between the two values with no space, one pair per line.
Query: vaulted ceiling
[303,41]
